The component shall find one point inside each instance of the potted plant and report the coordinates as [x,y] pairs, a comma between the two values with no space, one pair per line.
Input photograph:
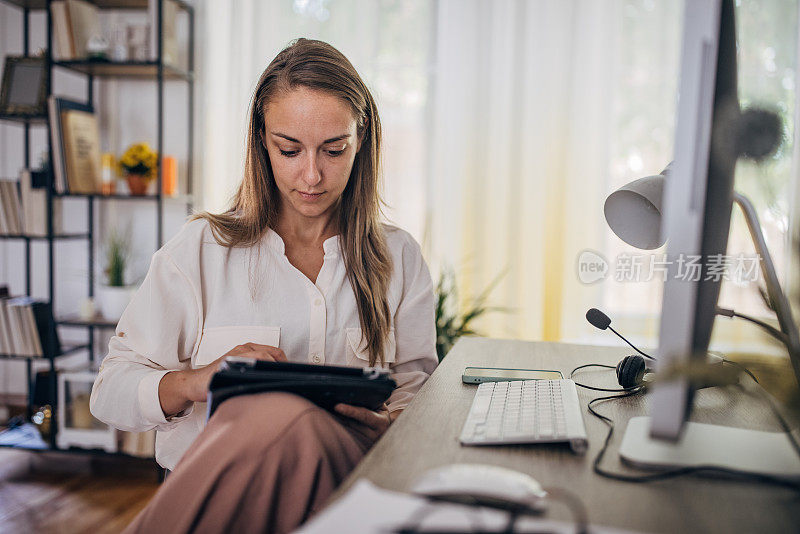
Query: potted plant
[451,324]
[139,166]
[114,295]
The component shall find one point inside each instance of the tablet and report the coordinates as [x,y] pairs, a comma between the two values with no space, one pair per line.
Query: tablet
[325,385]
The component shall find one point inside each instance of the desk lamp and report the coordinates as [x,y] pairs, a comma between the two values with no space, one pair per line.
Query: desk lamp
[633,212]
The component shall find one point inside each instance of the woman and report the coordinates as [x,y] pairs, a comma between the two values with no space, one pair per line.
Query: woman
[298,269]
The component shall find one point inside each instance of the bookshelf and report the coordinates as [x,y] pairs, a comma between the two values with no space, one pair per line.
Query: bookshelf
[157,72]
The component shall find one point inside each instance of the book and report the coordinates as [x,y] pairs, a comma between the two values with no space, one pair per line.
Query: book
[62,33]
[57,109]
[16,328]
[83,24]
[3,212]
[6,344]
[49,342]
[10,210]
[33,198]
[34,341]
[32,327]
[81,143]
[54,115]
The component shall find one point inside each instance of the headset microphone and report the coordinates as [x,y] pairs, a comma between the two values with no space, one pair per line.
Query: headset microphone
[602,321]
[631,370]
[598,319]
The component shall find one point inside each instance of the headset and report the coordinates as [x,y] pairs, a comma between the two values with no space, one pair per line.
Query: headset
[631,370]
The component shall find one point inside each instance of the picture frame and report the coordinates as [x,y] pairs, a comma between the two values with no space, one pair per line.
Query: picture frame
[24,89]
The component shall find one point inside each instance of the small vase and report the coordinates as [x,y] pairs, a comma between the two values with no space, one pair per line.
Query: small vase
[112,300]
[137,184]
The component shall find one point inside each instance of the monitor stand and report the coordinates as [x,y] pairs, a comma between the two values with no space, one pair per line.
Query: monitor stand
[753,451]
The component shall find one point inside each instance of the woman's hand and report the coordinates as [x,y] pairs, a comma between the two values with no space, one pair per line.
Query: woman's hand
[197,390]
[374,423]
[179,389]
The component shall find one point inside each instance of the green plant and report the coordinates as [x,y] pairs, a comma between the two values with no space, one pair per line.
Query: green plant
[450,324]
[117,256]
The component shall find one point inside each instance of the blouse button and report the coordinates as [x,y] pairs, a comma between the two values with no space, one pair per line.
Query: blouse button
[318,302]
[316,358]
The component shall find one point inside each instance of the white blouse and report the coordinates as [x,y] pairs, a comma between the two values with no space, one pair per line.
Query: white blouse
[200,299]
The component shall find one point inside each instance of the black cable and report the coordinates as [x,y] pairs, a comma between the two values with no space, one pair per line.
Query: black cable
[576,507]
[515,511]
[631,344]
[672,473]
[741,368]
[634,389]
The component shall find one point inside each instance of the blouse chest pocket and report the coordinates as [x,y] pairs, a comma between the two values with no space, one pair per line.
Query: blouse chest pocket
[218,340]
[358,355]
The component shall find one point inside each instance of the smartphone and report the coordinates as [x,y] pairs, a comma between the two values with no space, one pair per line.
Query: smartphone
[476,375]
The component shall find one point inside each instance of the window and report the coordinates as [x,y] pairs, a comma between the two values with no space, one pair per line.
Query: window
[645,106]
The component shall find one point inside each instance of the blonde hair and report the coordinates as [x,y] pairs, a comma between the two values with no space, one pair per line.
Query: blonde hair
[318,65]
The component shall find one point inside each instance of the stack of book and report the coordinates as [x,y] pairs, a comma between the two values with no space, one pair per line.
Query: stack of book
[23,205]
[27,327]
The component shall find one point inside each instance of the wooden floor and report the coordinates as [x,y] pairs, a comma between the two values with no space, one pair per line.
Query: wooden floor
[67,493]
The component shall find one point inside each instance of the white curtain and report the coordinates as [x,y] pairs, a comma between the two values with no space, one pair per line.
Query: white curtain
[519,154]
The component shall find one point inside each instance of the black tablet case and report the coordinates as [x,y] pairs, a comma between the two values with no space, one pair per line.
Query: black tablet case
[325,385]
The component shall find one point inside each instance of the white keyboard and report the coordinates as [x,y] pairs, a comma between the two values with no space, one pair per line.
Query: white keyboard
[526,411]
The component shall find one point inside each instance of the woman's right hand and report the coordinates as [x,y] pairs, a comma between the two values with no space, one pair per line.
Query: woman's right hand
[179,389]
[198,379]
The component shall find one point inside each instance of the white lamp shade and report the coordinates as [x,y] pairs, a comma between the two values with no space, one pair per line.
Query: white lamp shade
[633,212]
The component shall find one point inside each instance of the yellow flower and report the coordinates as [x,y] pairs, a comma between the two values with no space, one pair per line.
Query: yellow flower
[140,158]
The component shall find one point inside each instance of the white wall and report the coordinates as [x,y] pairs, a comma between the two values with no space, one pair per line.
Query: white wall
[127,114]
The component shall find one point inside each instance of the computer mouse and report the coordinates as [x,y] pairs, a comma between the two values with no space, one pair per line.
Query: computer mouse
[482,484]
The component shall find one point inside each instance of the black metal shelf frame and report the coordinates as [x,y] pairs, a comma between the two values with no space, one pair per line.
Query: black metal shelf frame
[126,5]
[40,120]
[94,323]
[64,352]
[110,69]
[153,70]
[43,237]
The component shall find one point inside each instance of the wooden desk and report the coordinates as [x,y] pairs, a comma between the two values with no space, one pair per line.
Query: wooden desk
[426,436]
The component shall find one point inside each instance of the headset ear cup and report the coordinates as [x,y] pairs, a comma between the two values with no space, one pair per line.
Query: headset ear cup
[630,371]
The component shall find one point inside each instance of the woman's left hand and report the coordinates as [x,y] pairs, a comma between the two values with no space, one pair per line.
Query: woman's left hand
[376,423]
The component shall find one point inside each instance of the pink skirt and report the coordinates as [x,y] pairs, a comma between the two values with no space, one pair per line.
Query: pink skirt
[264,463]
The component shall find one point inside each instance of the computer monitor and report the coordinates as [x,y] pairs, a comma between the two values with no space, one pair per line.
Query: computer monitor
[698,200]
[696,213]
